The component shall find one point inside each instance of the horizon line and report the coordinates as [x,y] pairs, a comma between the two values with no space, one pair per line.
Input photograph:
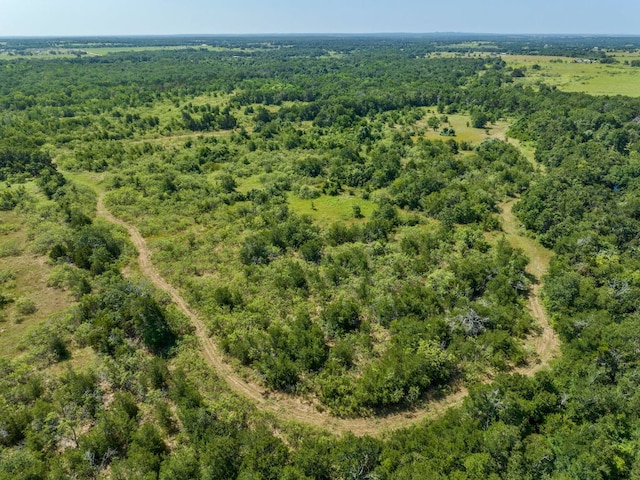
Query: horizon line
[302,34]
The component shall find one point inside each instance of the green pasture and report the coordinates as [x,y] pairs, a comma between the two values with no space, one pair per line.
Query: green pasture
[72,52]
[571,76]
[327,209]
[462,126]
[247,184]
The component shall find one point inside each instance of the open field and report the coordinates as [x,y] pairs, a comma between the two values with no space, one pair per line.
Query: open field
[464,131]
[569,75]
[327,209]
[89,51]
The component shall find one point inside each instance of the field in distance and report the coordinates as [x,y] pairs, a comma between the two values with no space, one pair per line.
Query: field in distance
[581,75]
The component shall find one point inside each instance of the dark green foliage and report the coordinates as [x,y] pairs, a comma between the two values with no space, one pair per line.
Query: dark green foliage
[263,455]
[311,250]
[157,373]
[479,119]
[256,250]
[91,247]
[113,431]
[310,166]
[5,300]
[341,316]
[356,457]
[403,375]
[122,309]
[280,372]
[226,297]
[182,464]
[50,181]
[339,233]
[144,456]
[211,119]
[369,315]
[24,160]
[150,322]
[228,183]
[58,348]
[292,351]
[12,197]
[382,223]
[293,232]
[291,276]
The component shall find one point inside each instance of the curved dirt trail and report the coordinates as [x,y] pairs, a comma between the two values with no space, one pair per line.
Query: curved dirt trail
[289,407]
[546,344]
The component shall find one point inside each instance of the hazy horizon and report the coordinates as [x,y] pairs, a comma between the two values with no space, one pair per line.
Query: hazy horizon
[478,35]
[72,18]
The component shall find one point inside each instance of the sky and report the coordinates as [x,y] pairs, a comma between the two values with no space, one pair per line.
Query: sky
[162,17]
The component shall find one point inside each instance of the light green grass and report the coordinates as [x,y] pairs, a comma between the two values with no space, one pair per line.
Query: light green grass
[30,274]
[90,179]
[45,55]
[622,56]
[143,48]
[80,358]
[326,210]
[108,50]
[464,131]
[569,76]
[473,45]
[98,51]
[246,184]
[166,110]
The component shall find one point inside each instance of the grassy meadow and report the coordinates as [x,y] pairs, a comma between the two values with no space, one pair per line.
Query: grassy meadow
[570,76]
[461,123]
[24,280]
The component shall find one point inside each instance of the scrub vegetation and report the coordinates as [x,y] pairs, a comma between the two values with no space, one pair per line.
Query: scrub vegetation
[312,257]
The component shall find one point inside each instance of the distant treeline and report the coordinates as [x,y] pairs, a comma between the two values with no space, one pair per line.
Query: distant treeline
[562,45]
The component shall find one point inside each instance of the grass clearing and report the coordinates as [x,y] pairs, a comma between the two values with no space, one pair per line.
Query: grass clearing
[574,75]
[25,282]
[539,256]
[247,184]
[91,179]
[54,53]
[327,209]
[464,131]
[79,359]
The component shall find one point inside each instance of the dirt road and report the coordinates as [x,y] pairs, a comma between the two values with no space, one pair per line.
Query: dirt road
[546,344]
[289,407]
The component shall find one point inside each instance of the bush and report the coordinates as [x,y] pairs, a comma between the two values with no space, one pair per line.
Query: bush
[58,348]
[311,251]
[479,119]
[5,300]
[6,276]
[26,306]
[342,316]
[256,250]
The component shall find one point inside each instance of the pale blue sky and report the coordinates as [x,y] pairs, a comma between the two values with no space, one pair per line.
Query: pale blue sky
[117,17]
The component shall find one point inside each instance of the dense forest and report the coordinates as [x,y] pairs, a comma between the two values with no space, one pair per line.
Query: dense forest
[333,215]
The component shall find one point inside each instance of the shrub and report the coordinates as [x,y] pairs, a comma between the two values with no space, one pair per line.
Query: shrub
[26,306]
[342,316]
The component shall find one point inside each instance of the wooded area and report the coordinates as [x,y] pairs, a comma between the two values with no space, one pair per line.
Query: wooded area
[331,209]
